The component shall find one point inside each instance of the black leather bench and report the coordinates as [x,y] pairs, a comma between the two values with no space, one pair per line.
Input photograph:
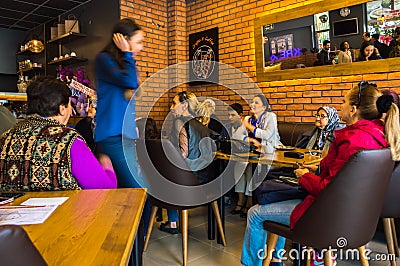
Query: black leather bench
[290,132]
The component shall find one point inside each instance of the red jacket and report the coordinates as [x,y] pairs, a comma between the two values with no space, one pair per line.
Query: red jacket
[362,135]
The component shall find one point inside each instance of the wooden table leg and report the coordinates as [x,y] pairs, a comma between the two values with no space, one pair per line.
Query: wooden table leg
[137,250]
[211,223]
[221,207]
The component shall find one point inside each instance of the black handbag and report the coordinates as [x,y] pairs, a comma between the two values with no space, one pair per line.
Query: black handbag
[236,146]
[278,189]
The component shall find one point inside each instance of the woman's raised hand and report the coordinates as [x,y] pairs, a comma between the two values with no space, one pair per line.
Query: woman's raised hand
[121,42]
[246,120]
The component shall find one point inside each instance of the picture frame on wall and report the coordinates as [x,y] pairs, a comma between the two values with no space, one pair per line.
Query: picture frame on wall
[203,57]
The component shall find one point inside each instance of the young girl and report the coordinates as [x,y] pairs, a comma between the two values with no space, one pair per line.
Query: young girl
[368,52]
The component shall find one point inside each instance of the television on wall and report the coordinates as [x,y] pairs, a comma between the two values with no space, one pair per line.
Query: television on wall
[345,27]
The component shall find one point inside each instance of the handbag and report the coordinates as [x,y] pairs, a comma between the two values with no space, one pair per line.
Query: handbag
[230,146]
[278,189]
[71,24]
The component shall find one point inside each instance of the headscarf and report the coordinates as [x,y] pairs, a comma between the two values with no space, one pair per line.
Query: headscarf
[326,133]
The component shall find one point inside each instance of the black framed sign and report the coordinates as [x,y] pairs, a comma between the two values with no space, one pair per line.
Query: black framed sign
[203,57]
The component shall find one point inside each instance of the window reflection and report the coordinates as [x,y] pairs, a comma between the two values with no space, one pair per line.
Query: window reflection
[295,43]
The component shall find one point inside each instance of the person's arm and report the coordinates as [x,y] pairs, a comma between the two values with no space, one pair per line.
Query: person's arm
[330,166]
[88,171]
[270,128]
[110,71]
[183,142]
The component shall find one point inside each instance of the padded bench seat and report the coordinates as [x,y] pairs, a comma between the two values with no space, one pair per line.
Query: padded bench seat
[290,132]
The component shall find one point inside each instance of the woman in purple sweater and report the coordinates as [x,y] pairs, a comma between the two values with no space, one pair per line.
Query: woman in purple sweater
[41,153]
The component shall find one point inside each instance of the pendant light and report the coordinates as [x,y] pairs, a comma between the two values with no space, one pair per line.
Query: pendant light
[35,46]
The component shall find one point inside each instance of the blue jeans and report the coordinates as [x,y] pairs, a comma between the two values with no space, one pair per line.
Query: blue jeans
[112,147]
[255,237]
[126,178]
[172,215]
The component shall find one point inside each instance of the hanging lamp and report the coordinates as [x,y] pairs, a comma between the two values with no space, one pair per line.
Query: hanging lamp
[35,46]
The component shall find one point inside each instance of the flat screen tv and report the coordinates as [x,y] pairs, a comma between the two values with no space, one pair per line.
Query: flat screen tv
[345,27]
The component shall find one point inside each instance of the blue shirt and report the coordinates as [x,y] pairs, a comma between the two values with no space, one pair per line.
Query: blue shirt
[112,107]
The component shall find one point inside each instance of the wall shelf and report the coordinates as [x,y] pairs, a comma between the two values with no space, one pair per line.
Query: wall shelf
[68,61]
[31,70]
[67,37]
[26,52]
[13,96]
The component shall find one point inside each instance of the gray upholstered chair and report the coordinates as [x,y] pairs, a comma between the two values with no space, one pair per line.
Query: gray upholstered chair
[348,208]
[161,157]
[391,210]
[16,248]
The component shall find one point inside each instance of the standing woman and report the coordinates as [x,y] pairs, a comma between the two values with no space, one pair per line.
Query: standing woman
[345,53]
[116,74]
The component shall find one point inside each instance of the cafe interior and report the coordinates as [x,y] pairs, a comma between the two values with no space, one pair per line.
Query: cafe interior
[252,47]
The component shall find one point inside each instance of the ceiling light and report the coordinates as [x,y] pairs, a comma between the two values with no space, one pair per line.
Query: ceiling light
[35,46]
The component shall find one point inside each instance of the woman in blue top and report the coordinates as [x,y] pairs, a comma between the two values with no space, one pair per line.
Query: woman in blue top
[116,81]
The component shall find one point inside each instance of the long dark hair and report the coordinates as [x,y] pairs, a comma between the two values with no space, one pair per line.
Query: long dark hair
[126,27]
[364,45]
[341,47]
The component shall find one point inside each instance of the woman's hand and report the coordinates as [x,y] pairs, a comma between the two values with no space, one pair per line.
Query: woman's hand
[121,42]
[247,124]
[311,168]
[105,162]
[300,172]
[255,142]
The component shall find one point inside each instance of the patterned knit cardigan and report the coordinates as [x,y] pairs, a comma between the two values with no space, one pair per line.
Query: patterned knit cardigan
[35,156]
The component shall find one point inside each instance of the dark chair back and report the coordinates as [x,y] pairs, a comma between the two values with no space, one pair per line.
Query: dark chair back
[16,249]
[391,206]
[350,206]
[158,159]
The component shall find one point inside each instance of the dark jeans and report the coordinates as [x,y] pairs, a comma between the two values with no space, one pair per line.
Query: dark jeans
[126,167]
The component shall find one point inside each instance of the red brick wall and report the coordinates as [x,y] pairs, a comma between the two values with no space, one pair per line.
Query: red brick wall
[152,17]
[292,100]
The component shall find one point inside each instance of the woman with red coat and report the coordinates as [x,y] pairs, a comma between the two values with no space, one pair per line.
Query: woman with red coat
[362,109]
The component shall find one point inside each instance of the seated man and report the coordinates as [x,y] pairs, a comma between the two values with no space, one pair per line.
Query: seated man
[41,153]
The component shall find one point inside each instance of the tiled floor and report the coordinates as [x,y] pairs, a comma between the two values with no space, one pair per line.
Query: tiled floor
[165,249]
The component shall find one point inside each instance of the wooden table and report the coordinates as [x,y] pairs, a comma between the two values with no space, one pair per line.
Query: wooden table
[93,227]
[276,159]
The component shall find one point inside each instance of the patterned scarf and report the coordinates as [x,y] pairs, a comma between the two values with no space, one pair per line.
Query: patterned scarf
[326,134]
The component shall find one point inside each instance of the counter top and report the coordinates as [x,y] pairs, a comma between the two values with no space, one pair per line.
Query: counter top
[13,96]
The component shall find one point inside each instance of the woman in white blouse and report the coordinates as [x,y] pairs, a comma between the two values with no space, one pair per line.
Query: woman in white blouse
[345,53]
[263,124]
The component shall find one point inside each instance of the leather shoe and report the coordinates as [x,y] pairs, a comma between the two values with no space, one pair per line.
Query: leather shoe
[236,210]
[243,212]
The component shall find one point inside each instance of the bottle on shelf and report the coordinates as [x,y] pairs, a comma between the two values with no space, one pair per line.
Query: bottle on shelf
[22,84]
